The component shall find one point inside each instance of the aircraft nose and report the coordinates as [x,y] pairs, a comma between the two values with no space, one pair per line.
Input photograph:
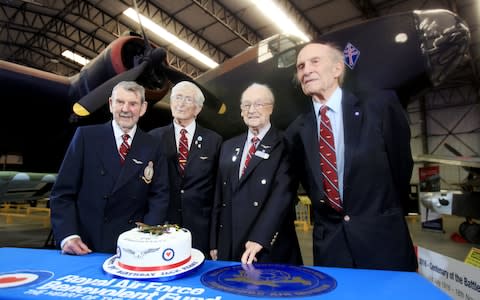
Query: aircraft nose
[445,40]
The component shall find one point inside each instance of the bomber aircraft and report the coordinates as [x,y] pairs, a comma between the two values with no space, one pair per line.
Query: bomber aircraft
[411,51]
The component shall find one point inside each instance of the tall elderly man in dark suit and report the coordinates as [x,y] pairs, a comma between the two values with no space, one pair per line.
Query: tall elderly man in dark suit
[353,157]
[192,163]
[254,210]
[112,176]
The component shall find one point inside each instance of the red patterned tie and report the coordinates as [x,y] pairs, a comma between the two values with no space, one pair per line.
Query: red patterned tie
[124,147]
[251,151]
[328,161]
[182,150]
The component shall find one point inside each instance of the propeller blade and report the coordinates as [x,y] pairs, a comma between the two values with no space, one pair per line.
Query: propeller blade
[99,96]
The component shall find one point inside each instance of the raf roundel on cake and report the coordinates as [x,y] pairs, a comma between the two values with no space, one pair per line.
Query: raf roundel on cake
[163,251]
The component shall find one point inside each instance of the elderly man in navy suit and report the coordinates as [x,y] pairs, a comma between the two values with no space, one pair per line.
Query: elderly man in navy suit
[192,154]
[254,210]
[353,158]
[111,177]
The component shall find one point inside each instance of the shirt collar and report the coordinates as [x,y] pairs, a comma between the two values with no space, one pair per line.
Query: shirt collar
[334,102]
[118,132]
[261,133]
[190,128]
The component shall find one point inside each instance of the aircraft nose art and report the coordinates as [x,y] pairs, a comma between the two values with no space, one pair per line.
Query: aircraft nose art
[444,38]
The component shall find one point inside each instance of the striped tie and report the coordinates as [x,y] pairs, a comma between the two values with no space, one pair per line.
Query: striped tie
[251,151]
[182,151]
[328,161]
[124,147]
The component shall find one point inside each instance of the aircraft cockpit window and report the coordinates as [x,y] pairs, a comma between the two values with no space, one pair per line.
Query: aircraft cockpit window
[264,53]
[277,44]
[287,59]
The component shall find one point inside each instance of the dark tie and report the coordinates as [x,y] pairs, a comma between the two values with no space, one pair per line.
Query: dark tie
[182,150]
[250,153]
[328,161]
[124,147]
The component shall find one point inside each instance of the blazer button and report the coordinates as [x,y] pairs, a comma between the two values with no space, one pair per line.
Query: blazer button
[102,172]
[255,203]
[322,201]
[182,191]
[221,226]
[263,181]
[346,218]
[224,183]
[223,204]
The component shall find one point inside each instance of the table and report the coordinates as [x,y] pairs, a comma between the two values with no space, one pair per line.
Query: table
[75,277]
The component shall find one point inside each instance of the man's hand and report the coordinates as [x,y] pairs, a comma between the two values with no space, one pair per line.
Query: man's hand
[251,249]
[75,246]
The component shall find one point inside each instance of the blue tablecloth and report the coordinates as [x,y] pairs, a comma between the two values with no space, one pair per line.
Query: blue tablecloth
[75,277]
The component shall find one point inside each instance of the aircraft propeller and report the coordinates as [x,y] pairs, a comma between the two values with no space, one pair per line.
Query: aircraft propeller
[150,69]
[97,97]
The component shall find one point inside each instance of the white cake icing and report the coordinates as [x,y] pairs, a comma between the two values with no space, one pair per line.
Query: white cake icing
[145,252]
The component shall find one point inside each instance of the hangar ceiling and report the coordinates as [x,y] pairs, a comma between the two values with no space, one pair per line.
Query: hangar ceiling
[35,32]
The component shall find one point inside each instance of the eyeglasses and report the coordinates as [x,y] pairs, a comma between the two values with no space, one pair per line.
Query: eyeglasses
[186,99]
[246,106]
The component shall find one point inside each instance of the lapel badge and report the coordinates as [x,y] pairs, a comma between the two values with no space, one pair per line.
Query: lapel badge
[137,162]
[265,147]
[148,173]
[198,142]
[262,154]
[234,157]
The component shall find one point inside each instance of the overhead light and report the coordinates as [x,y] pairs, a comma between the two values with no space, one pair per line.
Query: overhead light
[275,13]
[75,57]
[170,38]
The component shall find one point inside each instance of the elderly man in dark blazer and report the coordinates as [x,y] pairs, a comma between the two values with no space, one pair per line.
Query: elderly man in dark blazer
[192,174]
[254,211]
[112,176]
[357,199]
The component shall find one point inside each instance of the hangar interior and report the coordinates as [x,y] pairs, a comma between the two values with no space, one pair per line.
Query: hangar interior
[34,33]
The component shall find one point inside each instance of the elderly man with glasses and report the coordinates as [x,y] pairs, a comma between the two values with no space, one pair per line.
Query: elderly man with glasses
[192,153]
[254,208]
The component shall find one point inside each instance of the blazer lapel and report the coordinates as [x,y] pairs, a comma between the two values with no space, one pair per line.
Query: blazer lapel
[352,120]
[194,150]
[309,135]
[171,147]
[134,161]
[109,155]
[236,158]
[264,148]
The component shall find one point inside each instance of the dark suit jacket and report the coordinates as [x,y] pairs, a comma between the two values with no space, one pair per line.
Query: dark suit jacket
[191,196]
[97,198]
[372,231]
[260,206]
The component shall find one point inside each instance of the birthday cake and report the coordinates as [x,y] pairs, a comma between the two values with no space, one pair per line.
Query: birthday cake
[154,252]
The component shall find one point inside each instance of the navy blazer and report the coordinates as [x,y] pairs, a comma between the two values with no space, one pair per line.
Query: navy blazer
[371,232]
[260,206]
[97,198]
[191,196]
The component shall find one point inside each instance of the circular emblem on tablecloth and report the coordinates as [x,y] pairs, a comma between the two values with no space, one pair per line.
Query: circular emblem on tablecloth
[23,278]
[269,280]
